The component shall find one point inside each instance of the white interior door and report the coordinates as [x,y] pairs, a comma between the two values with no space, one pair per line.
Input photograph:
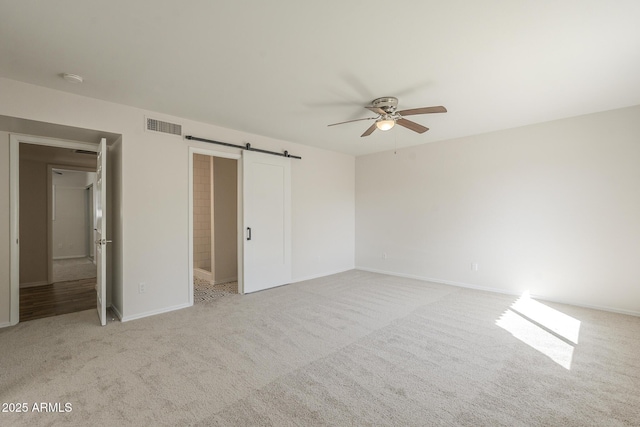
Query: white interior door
[267,220]
[101,231]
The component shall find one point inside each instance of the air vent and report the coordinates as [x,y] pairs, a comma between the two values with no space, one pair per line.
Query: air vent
[164,127]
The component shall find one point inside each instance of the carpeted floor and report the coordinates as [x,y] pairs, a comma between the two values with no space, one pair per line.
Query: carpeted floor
[354,348]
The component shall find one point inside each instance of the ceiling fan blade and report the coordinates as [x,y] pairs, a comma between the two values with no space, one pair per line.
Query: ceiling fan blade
[356,120]
[412,125]
[377,110]
[369,131]
[423,110]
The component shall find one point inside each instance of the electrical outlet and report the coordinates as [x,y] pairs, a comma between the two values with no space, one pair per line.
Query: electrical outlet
[474,266]
[384,255]
[142,287]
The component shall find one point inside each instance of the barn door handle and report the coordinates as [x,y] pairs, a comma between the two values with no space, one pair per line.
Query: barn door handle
[248,233]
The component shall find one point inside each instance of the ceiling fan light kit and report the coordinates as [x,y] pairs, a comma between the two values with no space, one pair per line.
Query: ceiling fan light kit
[388,117]
[385,124]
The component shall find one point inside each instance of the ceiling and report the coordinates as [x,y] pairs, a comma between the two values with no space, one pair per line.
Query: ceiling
[53,155]
[285,69]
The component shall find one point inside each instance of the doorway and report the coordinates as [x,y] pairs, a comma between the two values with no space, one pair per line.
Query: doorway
[215,226]
[56,274]
[72,224]
[263,204]
[31,277]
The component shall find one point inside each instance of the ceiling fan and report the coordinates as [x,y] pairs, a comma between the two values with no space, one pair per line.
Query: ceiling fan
[387,117]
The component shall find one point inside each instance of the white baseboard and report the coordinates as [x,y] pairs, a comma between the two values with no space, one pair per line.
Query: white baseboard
[316,276]
[201,274]
[33,284]
[230,279]
[501,291]
[593,307]
[5,324]
[440,281]
[116,312]
[56,258]
[154,312]
[206,275]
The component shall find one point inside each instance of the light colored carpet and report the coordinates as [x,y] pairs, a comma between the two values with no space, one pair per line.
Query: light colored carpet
[65,270]
[355,348]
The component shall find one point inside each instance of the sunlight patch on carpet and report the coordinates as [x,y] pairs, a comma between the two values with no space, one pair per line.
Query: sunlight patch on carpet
[543,328]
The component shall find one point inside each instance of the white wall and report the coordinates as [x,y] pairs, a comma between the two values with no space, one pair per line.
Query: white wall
[322,212]
[202,212]
[73,178]
[553,208]
[115,251]
[154,184]
[225,216]
[34,254]
[70,226]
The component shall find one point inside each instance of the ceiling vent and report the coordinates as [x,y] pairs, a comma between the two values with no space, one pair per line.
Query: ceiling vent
[164,127]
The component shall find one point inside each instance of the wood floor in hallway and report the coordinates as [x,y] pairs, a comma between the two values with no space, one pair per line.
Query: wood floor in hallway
[59,298]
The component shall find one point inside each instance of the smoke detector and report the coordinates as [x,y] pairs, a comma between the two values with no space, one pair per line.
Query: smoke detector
[72,78]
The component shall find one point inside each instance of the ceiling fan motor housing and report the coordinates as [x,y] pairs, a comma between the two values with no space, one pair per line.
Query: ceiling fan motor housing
[386,103]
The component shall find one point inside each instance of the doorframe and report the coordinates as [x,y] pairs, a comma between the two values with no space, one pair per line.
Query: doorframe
[14,202]
[240,215]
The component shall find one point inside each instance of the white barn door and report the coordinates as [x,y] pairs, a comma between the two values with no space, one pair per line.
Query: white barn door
[267,220]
